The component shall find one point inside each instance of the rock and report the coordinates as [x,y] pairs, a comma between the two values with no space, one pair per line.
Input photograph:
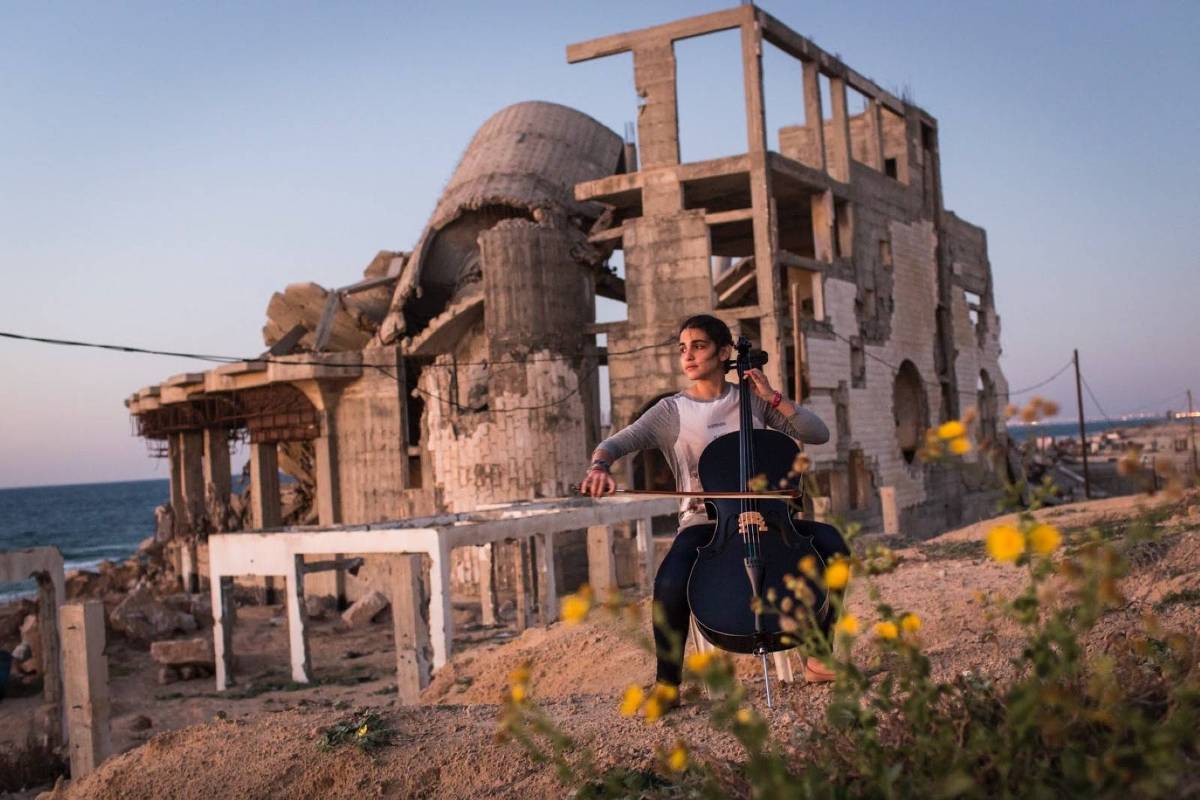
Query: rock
[81,583]
[149,547]
[140,723]
[164,523]
[365,609]
[12,614]
[31,634]
[167,675]
[318,606]
[141,616]
[183,652]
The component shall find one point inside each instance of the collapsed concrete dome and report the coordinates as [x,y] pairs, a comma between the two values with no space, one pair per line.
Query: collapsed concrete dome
[522,163]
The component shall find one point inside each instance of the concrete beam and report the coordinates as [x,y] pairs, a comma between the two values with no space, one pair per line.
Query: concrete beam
[814,116]
[669,32]
[484,566]
[87,698]
[547,578]
[839,146]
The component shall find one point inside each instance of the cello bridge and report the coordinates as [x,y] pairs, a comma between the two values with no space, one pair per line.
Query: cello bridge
[748,518]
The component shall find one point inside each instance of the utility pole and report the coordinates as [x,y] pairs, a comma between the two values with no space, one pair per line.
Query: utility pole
[1192,429]
[1087,479]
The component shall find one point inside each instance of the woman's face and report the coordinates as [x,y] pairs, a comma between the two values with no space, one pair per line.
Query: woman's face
[699,357]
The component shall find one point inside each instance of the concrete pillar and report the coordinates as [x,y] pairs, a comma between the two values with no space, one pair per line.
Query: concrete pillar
[191,469]
[218,482]
[487,583]
[224,617]
[547,579]
[441,610]
[175,464]
[645,551]
[297,620]
[874,135]
[822,222]
[87,699]
[328,498]
[814,117]
[411,628]
[264,486]
[658,115]
[839,145]
[602,566]
[50,599]
[891,513]
[523,584]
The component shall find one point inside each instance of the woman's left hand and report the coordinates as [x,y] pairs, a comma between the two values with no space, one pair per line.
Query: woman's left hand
[760,384]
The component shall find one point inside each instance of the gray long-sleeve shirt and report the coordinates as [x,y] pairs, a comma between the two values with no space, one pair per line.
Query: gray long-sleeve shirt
[681,427]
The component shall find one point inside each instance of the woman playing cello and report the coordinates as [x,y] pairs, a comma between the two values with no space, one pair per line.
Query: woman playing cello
[681,426]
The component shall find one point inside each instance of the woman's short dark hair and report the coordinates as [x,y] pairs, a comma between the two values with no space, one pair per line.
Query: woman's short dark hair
[717,330]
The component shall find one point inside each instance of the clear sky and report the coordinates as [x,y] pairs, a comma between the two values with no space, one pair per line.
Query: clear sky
[166,166]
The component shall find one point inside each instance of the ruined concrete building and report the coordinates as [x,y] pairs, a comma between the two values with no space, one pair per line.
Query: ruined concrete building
[466,372]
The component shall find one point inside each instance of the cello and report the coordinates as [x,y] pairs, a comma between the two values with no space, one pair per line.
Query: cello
[756,542]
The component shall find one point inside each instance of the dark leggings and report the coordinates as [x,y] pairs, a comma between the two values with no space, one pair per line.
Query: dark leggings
[670,590]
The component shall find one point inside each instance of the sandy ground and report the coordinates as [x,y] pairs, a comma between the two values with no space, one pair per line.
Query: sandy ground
[257,741]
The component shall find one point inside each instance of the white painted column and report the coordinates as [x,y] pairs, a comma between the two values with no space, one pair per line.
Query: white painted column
[224,614]
[441,611]
[297,619]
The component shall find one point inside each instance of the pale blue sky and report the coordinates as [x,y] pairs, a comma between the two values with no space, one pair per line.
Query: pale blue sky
[164,167]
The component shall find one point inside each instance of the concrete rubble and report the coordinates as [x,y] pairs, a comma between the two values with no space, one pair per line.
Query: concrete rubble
[365,609]
[144,617]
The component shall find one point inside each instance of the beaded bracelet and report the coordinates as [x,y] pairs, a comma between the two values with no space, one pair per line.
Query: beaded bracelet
[776,400]
[601,464]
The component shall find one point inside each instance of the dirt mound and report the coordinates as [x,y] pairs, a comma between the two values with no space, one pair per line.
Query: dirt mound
[447,746]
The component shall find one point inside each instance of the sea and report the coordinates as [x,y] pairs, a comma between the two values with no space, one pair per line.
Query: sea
[89,522]
[1062,430]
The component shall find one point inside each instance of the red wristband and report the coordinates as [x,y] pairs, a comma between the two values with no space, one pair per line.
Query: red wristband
[776,400]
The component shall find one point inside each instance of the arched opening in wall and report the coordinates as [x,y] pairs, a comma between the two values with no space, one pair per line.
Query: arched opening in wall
[985,403]
[909,409]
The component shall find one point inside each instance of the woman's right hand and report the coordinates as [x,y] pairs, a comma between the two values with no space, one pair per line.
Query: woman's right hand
[598,483]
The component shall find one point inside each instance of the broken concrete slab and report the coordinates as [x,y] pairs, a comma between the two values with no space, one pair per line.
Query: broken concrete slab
[183,652]
[365,609]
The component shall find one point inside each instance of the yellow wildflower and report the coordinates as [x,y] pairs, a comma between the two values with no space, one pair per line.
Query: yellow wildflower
[677,760]
[848,625]
[698,662]
[744,716]
[1005,543]
[519,675]
[886,630]
[665,691]
[757,484]
[653,709]
[575,607]
[808,565]
[952,429]
[1044,539]
[960,445]
[518,692]
[632,701]
[837,574]
[910,623]
[362,731]
[801,463]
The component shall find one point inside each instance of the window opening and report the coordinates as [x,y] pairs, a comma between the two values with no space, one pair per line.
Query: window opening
[910,410]
[710,96]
